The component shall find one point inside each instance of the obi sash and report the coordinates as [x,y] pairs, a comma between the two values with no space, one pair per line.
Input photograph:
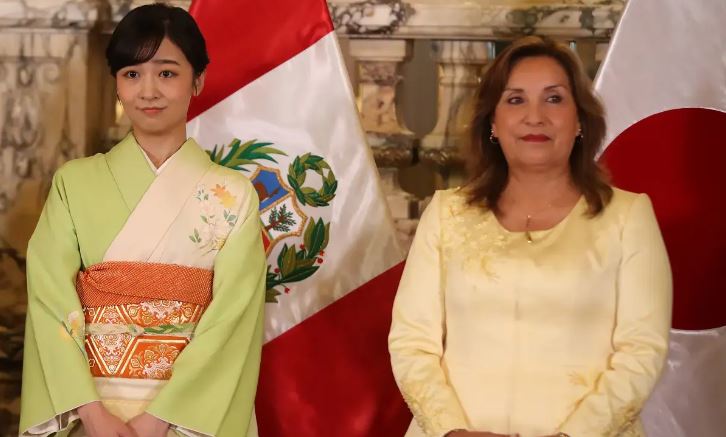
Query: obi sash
[139,316]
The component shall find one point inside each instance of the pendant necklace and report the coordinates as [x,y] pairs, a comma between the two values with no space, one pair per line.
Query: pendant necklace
[527,233]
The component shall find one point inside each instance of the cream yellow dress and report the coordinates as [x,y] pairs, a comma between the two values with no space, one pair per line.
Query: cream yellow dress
[566,333]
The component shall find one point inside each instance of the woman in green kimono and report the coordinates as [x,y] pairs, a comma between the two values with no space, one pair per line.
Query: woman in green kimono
[146,270]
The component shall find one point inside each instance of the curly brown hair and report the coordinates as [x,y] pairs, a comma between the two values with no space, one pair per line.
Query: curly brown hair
[487,167]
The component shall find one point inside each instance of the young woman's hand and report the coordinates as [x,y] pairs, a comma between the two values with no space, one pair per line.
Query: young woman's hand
[98,422]
[146,425]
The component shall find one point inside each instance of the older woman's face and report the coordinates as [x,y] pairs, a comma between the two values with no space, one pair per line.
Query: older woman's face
[536,117]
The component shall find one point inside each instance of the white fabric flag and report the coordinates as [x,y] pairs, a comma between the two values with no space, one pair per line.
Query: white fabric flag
[278,106]
[663,83]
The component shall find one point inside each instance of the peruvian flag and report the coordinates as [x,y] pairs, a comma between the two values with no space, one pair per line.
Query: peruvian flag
[663,83]
[278,106]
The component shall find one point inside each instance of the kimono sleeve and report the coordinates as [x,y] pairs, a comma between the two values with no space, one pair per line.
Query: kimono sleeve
[214,379]
[56,376]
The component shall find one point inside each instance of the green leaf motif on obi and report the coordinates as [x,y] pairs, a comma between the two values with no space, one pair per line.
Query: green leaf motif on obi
[180,328]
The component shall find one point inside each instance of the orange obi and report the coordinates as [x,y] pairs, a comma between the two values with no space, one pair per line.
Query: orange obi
[140,316]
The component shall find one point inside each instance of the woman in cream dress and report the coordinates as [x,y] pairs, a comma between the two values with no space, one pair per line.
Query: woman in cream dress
[536,299]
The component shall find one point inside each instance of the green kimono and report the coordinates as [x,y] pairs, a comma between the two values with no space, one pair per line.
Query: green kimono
[114,207]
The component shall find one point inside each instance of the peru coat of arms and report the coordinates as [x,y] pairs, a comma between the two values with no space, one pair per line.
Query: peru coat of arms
[294,208]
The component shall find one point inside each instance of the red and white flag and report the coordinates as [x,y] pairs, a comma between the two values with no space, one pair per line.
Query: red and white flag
[663,83]
[278,106]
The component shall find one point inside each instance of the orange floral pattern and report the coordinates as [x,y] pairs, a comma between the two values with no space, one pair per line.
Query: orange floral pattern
[153,360]
[146,356]
[225,197]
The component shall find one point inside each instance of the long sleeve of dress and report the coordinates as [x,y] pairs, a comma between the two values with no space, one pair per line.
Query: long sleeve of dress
[417,333]
[56,378]
[640,337]
[214,380]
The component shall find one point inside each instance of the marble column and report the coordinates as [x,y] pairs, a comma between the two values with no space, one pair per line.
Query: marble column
[378,63]
[460,66]
[378,75]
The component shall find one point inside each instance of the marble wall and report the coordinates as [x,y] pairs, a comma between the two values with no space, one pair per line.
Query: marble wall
[414,63]
[50,112]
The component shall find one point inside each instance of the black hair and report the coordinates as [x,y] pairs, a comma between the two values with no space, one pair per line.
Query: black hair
[139,34]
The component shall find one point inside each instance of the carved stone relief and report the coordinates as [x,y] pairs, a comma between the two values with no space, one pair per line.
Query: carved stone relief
[370,17]
[48,13]
[476,18]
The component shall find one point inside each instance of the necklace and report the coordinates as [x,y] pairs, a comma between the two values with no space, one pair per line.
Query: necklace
[527,233]
[536,213]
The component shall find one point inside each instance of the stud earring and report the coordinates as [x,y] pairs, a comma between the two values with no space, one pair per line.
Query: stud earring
[492,138]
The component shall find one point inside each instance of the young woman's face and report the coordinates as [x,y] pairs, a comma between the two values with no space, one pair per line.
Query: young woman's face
[536,118]
[156,94]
